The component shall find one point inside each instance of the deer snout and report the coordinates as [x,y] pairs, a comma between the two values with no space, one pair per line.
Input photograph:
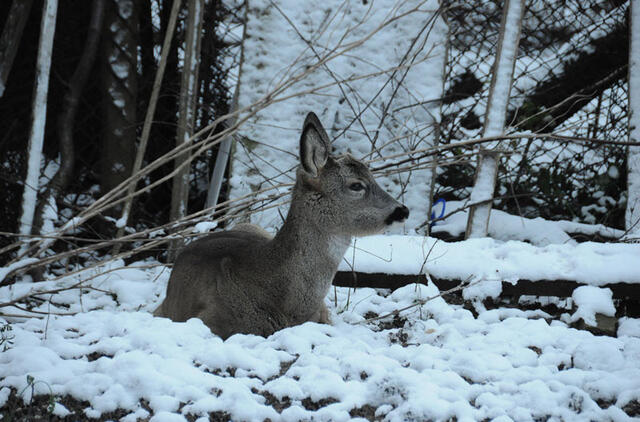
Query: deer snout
[400,214]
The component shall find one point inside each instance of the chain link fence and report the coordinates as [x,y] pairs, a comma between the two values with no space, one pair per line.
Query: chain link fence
[570,79]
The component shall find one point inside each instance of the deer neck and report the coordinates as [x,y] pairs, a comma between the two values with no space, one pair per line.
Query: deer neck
[307,246]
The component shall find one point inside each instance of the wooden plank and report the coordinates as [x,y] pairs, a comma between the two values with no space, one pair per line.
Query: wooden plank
[559,288]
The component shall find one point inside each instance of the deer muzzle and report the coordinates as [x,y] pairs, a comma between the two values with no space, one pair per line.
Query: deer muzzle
[398,215]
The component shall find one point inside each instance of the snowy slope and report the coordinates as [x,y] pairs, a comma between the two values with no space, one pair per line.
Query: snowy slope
[276,49]
[438,363]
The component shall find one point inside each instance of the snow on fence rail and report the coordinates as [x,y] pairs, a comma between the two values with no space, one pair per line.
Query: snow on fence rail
[493,261]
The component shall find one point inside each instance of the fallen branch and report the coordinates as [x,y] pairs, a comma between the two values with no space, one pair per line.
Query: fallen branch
[422,302]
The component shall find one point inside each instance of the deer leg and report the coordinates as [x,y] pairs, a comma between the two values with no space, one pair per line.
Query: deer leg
[321,315]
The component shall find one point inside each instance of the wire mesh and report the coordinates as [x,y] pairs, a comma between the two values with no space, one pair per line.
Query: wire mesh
[569,78]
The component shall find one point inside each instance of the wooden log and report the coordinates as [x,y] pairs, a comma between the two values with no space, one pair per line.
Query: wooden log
[558,288]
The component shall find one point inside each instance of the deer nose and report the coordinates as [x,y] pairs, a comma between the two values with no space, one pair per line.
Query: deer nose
[400,214]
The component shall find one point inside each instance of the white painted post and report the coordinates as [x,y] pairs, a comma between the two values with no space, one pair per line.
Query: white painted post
[36,137]
[632,215]
[494,121]
[215,183]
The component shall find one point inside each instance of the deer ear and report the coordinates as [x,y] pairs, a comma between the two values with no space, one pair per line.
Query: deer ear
[314,145]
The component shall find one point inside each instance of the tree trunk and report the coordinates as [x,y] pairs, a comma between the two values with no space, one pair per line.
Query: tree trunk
[632,216]
[151,109]
[119,90]
[67,118]
[36,138]
[186,114]
[148,64]
[501,80]
[163,131]
[187,106]
[10,38]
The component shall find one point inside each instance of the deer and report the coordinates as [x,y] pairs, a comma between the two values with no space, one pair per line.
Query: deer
[246,281]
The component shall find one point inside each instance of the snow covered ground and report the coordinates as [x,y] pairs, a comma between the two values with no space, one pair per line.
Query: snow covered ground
[98,351]
[432,362]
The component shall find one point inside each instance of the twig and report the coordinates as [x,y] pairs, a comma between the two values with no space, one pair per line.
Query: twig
[422,302]
[146,128]
[426,152]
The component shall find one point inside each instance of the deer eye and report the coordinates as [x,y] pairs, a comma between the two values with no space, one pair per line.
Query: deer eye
[357,186]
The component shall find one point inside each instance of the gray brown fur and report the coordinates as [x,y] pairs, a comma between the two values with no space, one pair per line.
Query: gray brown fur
[245,281]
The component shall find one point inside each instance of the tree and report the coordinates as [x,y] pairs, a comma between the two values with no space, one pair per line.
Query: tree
[150,112]
[119,87]
[68,115]
[36,138]
[187,106]
[10,38]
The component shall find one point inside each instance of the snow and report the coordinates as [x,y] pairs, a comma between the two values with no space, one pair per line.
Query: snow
[15,265]
[474,54]
[613,172]
[537,231]
[49,216]
[125,8]
[50,210]
[159,233]
[490,259]
[117,98]
[121,222]
[591,300]
[503,73]
[483,191]
[440,363]
[100,343]
[629,327]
